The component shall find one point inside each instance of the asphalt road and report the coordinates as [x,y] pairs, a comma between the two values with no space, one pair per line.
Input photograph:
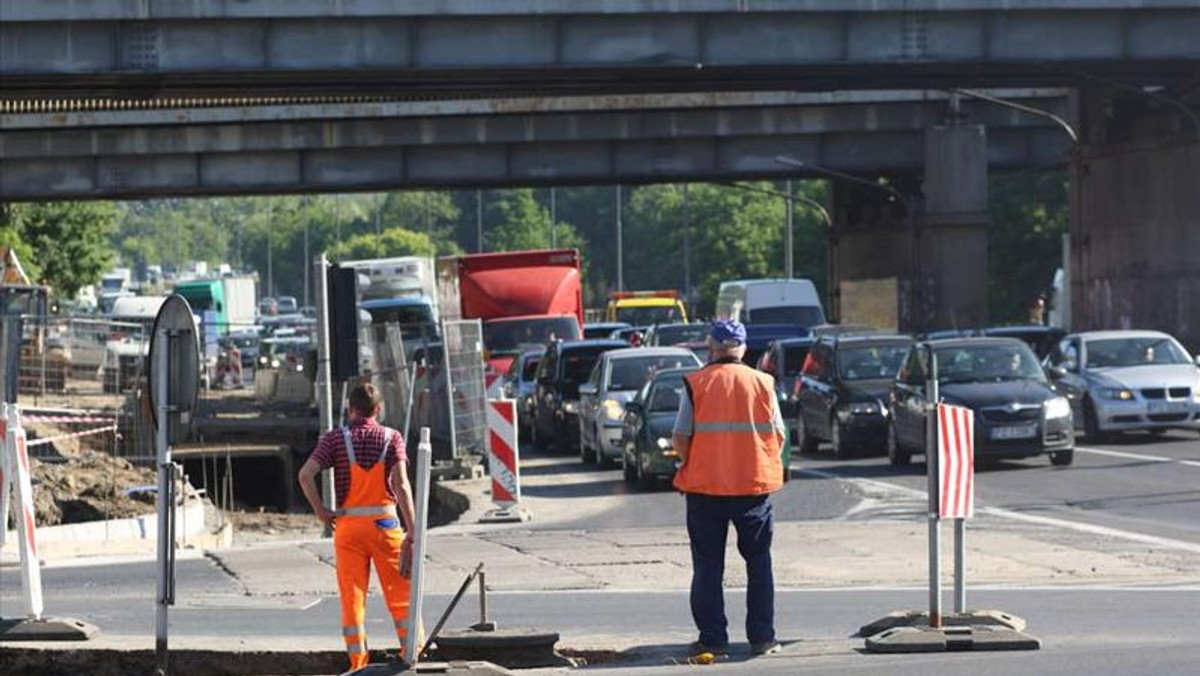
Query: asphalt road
[1142,483]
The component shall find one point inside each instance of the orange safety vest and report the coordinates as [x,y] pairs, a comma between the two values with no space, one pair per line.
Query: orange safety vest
[734,450]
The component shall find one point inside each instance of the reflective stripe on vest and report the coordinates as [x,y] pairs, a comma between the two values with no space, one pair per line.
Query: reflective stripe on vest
[734,449]
[370,510]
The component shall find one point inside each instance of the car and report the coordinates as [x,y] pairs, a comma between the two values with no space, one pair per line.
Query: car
[700,348]
[784,359]
[633,335]
[617,376]
[1017,412]
[760,336]
[248,343]
[843,391]
[674,334]
[268,307]
[842,330]
[1126,380]
[565,365]
[519,383]
[648,452]
[603,329]
[1040,337]
[284,352]
[288,305]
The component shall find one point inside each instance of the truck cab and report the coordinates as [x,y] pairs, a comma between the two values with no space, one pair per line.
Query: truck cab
[644,308]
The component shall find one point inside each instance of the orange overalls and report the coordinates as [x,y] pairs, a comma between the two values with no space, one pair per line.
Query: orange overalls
[368,530]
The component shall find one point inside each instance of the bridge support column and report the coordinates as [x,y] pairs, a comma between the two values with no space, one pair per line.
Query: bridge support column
[869,255]
[952,248]
[1135,230]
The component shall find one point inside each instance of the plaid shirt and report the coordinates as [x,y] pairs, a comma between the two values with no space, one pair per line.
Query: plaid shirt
[367,437]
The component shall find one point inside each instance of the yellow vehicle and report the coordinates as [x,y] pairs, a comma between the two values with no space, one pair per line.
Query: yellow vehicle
[644,308]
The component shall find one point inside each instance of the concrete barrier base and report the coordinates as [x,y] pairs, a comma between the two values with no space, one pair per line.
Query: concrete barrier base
[510,515]
[46,629]
[945,639]
[451,668]
[513,648]
[920,618]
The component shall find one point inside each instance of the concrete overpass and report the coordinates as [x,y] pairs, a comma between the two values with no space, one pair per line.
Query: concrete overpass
[484,47]
[527,141]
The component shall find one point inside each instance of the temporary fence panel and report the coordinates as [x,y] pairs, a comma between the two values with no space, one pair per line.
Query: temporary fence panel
[391,374]
[465,391]
[10,351]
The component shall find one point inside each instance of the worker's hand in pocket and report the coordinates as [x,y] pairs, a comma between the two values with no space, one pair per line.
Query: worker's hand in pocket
[406,557]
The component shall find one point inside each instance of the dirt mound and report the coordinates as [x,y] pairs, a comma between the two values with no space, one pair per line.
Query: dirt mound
[91,486]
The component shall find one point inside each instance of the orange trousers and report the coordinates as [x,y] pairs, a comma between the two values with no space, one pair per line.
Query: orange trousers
[358,542]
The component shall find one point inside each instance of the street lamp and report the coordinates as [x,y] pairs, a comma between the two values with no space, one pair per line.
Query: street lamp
[914,250]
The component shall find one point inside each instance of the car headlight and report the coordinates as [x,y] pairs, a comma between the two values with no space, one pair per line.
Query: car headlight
[664,443]
[262,361]
[612,409]
[1055,408]
[570,406]
[1115,393]
[860,408]
[274,363]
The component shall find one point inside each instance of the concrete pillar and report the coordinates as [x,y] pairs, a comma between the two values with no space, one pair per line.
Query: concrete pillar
[951,276]
[869,256]
[1135,236]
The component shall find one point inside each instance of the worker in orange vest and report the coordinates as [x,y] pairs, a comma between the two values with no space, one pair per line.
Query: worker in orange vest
[371,480]
[729,435]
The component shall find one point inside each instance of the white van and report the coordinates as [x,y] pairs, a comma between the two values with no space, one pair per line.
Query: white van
[771,301]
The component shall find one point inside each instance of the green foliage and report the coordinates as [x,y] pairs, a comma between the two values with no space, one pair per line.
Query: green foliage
[62,244]
[521,223]
[1029,214]
[393,242]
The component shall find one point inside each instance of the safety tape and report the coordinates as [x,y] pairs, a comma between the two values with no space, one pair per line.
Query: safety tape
[47,410]
[72,435]
[61,419]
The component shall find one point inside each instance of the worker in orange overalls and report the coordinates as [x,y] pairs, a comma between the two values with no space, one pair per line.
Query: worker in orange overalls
[729,436]
[371,480]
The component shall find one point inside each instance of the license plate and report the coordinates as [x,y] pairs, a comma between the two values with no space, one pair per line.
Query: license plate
[1014,432]
[1167,407]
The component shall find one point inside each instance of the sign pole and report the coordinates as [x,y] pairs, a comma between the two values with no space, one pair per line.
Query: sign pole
[324,374]
[162,498]
[931,466]
[412,642]
[960,573]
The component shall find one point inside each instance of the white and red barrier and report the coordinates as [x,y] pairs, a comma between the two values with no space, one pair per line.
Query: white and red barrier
[18,478]
[504,461]
[956,462]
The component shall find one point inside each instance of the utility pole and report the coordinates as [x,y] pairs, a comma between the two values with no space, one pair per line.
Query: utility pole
[620,245]
[306,265]
[789,270]
[428,216]
[479,219]
[687,244]
[553,221]
[270,244]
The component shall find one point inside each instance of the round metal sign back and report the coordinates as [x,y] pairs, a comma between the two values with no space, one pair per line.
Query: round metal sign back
[175,326]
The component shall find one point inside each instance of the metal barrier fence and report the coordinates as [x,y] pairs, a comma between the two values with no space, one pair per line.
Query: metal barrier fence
[391,375]
[466,391]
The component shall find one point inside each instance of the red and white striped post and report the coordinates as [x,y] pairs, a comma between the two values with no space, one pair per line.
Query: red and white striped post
[956,484]
[18,465]
[504,462]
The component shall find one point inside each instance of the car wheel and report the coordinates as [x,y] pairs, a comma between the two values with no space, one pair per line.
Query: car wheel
[808,444]
[897,455]
[836,449]
[643,481]
[1091,422]
[1062,458]
[629,466]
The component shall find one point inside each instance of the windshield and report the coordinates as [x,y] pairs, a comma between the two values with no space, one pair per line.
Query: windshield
[667,395]
[510,335]
[1117,352]
[639,316]
[793,359]
[680,333]
[577,365]
[404,315]
[798,315]
[873,362]
[631,373]
[530,370]
[975,363]
[200,298]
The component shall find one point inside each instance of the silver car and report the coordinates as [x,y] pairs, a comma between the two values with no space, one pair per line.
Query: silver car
[615,379]
[1127,380]
[519,384]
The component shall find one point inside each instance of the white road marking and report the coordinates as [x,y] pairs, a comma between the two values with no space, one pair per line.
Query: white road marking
[1091,529]
[1127,456]
[868,588]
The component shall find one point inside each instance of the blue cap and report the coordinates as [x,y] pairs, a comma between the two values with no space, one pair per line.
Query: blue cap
[728,332]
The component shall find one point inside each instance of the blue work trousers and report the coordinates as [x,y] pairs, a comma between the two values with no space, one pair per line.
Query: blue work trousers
[708,520]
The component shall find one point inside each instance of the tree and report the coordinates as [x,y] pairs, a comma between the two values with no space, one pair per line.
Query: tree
[65,245]
[1029,215]
[393,242]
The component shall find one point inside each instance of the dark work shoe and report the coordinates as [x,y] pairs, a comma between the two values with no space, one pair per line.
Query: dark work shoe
[698,648]
[766,648]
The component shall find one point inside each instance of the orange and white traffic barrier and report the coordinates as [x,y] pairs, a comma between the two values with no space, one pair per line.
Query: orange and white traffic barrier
[504,462]
[18,476]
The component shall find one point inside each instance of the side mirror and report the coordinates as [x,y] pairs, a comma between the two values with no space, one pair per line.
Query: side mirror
[633,407]
[587,388]
[1198,361]
[1057,371]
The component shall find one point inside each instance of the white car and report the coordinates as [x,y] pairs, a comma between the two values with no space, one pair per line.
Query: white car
[1127,380]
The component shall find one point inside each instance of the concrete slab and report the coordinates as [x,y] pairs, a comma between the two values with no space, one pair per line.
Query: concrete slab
[46,629]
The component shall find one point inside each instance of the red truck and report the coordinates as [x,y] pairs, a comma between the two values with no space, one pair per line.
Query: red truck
[525,298]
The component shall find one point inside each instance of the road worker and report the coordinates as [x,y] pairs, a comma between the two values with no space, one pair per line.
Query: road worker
[729,436]
[371,480]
